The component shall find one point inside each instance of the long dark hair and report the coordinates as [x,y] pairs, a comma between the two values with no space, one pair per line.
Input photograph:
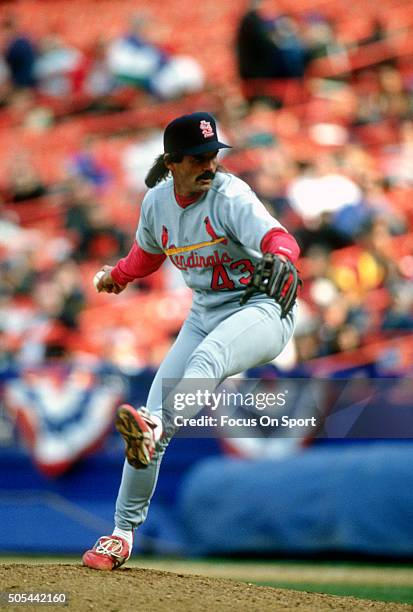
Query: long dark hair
[159,171]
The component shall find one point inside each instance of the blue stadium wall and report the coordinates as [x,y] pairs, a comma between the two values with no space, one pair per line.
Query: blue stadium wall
[343,497]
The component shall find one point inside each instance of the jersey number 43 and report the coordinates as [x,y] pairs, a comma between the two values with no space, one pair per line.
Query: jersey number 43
[221,279]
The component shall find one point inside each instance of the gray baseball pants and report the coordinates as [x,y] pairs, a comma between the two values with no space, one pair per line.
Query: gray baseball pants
[212,344]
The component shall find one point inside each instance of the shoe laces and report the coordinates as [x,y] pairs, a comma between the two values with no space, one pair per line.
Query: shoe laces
[147,416]
[110,546]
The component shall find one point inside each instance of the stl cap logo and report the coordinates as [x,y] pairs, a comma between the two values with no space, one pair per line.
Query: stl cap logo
[206,128]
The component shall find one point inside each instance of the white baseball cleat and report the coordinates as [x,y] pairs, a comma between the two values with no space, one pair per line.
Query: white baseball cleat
[109,553]
[137,428]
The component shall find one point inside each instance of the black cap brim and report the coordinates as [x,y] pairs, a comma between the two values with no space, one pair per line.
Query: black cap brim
[205,147]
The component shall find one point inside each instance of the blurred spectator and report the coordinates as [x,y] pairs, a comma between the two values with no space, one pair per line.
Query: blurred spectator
[307,347]
[6,363]
[9,227]
[20,54]
[398,162]
[78,197]
[258,55]
[55,66]
[320,188]
[4,81]
[319,289]
[376,204]
[322,41]
[334,317]
[132,58]
[376,238]
[66,278]
[316,193]
[271,56]
[382,94]
[95,235]
[24,181]
[57,302]
[292,48]
[347,338]
[137,158]
[18,275]
[92,76]
[84,165]
[395,100]
[399,315]
[23,109]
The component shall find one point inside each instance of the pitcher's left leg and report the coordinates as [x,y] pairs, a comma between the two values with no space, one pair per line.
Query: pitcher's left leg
[251,336]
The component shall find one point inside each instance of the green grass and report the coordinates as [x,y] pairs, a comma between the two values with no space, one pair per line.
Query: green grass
[397,594]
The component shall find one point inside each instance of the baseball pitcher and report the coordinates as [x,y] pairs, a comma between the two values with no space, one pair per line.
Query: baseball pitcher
[239,262]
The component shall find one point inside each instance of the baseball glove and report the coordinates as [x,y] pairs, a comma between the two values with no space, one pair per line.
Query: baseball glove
[276,277]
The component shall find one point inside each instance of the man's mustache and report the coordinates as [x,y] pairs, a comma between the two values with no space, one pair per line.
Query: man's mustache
[208,174]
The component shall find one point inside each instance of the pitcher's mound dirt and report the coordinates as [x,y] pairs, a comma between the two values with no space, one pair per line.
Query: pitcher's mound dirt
[154,591]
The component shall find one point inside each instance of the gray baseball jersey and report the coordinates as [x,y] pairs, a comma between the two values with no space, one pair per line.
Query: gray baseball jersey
[215,242]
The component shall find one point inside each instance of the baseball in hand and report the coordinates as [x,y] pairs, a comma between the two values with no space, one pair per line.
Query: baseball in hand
[97,277]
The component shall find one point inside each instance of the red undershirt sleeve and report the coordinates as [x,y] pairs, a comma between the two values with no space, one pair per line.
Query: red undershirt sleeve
[137,264]
[280,242]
